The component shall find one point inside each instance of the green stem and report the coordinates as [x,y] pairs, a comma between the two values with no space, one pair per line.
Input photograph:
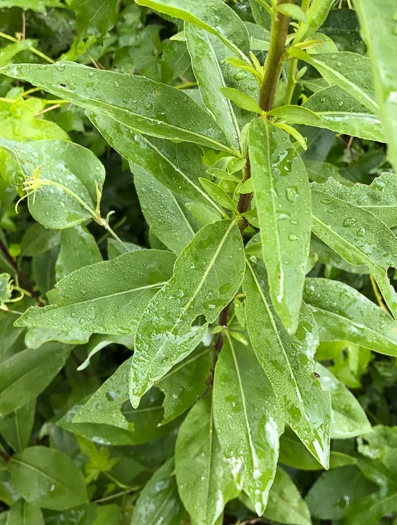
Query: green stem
[273,69]
[291,81]
[97,218]
[32,49]
[274,60]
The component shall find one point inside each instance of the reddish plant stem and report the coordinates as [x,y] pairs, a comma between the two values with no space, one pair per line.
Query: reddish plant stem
[273,70]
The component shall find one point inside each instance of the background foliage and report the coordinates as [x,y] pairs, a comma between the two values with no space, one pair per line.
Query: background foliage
[77,445]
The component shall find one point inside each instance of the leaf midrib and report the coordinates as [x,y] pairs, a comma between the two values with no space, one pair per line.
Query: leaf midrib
[292,374]
[178,170]
[346,319]
[346,81]
[197,290]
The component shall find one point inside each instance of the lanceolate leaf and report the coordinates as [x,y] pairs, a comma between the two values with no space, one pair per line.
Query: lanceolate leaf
[185,382]
[207,15]
[359,237]
[159,501]
[247,419]
[165,212]
[316,16]
[349,71]
[26,374]
[343,314]
[134,101]
[181,387]
[209,75]
[340,112]
[75,168]
[24,513]
[106,297]
[286,504]
[380,197]
[17,426]
[282,195]
[348,417]
[289,365]
[78,249]
[95,17]
[206,479]
[48,478]
[207,274]
[177,166]
[378,26]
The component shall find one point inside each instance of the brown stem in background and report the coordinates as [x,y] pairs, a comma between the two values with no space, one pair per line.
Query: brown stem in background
[273,70]
[21,276]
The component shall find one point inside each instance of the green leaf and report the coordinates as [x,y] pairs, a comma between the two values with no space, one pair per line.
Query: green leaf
[241,99]
[289,365]
[26,374]
[35,5]
[316,16]
[78,249]
[380,197]
[206,479]
[203,213]
[340,112]
[294,454]
[24,513]
[35,337]
[22,121]
[321,171]
[181,387]
[378,26]
[359,237]
[106,297]
[175,60]
[285,504]
[349,71]
[335,491]
[109,406]
[165,212]
[17,426]
[38,240]
[212,15]
[178,167]
[348,418]
[343,314]
[282,196]
[207,274]
[115,248]
[295,115]
[218,194]
[247,419]
[185,383]
[7,53]
[75,168]
[159,501]
[102,433]
[293,11]
[95,17]
[48,478]
[330,258]
[210,78]
[135,101]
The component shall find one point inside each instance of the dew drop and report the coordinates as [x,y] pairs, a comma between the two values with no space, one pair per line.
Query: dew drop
[349,221]
[292,193]
[241,75]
